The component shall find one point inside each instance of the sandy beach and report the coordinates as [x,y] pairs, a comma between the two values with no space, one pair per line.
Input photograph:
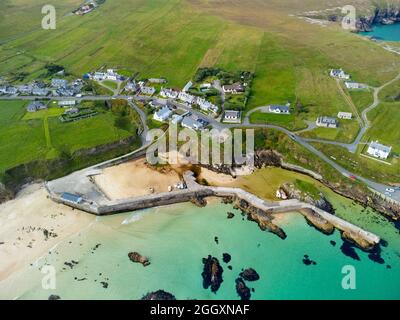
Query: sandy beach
[31,224]
[135,178]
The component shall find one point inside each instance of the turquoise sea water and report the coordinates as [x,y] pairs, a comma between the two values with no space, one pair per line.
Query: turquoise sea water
[176,238]
[385,32]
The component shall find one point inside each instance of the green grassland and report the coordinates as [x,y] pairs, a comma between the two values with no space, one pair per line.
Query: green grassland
[290,58]
[346,132]
[391,93]
[25,137]
[290,121]
[361,98]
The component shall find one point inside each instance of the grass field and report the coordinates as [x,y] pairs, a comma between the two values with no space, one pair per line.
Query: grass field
[173,38]
[41,135]
[290,121]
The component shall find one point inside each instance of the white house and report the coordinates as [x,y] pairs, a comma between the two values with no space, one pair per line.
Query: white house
[232,116]
[162,114]
[327,122]
[345,115]
[176,118]
[340,74]
[378,150]
[355,85]
[67,103]
[186,97]
[187,86]
[59,83]
[169,93]
[147,90]
[279,109]
[206,105]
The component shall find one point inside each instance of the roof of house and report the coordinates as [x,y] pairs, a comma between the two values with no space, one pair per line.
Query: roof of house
[381,147]
[279,107]
[235,86]
[232,113]
[327,120]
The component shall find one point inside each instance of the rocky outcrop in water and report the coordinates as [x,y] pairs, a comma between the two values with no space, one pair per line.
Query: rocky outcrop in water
[212,273]
[317,221]
[250,275]
[317,200]
[159,295]
[198,201]
[138,258]
[54,297]
[359,241]
[226,257]
[242,290]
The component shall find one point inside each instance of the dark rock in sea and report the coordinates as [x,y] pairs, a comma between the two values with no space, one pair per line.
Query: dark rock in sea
[230,267]
[230,215]
[349,250]
[250,275]
[54,297]
[104,284]
[307,261]
[198,201]
[242,290]
[212,273]
[137,257]
[216,240]
[159,295]
[226,257]
[388,266]
[383,243]
[332,242]
[253,290]
[376,257]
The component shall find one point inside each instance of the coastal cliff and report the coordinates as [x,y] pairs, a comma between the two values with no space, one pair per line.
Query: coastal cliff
[380,15]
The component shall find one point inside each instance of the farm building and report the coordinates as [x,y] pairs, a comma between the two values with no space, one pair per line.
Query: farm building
[378,150]
[67,103]
[187,86]
[345,115]
[355,85]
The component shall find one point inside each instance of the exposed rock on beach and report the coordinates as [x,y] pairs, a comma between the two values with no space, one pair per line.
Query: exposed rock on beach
[137,257]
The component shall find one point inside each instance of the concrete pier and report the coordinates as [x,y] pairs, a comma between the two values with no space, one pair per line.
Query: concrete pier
[99,205]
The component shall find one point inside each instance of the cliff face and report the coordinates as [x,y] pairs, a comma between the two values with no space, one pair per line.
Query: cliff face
[380,15]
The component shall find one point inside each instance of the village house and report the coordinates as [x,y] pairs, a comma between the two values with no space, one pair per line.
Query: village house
[8,90]
[131,86]
[339,74]
[187,86]
[355,85]
[345,115]
[378,150]
[59,83]
[235,88]
[279,109]
[169,93]
[162,114]
[176,119]
[36,106]
[327,122]
[232,116]
[207,105]
[191,123]
[73,110]
[186,97]
[25,89]
[37,91]
[147,90]
[157,80]
[66,103]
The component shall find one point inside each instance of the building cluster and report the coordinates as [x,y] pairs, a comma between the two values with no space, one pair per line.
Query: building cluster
[57,87]
[110,75]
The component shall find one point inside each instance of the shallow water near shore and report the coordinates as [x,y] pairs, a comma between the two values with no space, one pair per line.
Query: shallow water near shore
[176,238]
[390,32]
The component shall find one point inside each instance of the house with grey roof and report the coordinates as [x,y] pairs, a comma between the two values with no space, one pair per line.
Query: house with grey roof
[162,114]
[36,106]
[378,150]
[191,123]
[232,116]
[235,88]
[59,83]
[327,122]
